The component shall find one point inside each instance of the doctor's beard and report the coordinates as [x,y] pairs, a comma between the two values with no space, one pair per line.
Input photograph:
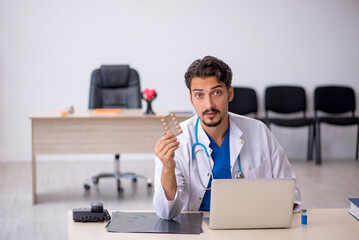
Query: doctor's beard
[212,124]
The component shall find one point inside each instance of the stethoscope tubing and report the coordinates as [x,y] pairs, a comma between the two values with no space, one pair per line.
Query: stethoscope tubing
[197,143]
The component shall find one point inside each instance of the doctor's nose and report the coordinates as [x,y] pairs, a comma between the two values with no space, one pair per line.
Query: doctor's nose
[208,103]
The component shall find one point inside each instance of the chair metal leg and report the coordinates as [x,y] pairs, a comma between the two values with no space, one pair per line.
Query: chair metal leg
[134,176]
[318,159]
[116,173]
[356,153]
[310,143]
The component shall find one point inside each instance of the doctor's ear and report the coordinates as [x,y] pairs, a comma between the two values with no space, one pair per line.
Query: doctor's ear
[230,94]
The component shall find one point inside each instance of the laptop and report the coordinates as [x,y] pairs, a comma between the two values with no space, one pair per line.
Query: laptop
[251,203]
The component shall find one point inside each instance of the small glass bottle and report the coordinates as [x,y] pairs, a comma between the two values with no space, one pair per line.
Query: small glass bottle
[304,217]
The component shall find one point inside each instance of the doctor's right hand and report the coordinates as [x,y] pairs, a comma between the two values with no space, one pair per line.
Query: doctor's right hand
[165,150]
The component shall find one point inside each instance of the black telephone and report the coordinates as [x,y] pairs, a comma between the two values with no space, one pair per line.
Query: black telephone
[94,214]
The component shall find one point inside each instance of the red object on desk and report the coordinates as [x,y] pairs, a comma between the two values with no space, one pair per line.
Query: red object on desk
[149,94]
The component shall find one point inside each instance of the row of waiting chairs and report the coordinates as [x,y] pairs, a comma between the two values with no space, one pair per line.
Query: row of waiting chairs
[333,100]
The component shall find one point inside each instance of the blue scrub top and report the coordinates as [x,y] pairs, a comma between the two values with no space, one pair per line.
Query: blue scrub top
[221,168]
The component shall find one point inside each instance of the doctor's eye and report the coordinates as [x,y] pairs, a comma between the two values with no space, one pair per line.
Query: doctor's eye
[198,95]
[217,92]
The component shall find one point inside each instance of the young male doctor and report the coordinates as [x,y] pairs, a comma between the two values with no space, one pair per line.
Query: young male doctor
[234,145]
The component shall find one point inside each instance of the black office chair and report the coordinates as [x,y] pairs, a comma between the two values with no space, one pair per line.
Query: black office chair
[335,100]
[115,86]
[289,100]
[244,101]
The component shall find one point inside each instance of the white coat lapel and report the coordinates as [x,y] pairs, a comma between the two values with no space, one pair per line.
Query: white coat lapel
[236,143]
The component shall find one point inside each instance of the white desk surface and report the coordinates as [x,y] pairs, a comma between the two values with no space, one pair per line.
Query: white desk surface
[336,224]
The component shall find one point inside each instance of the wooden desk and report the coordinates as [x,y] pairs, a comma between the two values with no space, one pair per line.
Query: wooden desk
[85,132]
[322,224]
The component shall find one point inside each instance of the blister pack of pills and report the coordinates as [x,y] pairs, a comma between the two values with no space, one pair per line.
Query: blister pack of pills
[170,124]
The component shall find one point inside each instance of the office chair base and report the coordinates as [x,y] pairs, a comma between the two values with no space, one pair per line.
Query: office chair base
[118,175]
[96,179]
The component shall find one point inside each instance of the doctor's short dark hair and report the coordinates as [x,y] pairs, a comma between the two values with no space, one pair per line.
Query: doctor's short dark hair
[207,67]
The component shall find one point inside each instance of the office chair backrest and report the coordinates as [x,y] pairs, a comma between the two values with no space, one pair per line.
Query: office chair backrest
[115,86]
[244,101]
[285,99]
[334,99]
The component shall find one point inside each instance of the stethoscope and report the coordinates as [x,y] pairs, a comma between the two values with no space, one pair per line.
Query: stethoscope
[197,143]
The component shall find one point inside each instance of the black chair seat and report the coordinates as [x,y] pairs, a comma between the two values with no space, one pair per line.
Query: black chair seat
[295,122]
[339,121]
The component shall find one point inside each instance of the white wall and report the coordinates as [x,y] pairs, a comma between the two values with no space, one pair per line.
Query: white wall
[48,49]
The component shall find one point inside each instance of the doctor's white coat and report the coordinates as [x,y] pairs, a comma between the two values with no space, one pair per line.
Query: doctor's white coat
[261,156]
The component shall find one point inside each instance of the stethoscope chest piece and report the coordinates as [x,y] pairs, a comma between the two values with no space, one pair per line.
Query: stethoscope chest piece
[238,175]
